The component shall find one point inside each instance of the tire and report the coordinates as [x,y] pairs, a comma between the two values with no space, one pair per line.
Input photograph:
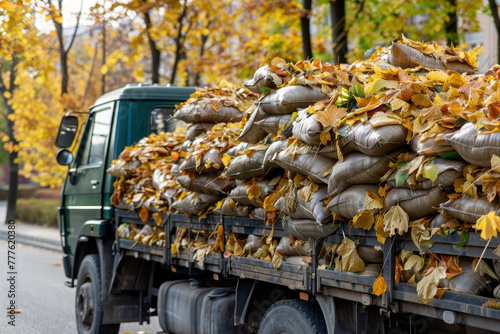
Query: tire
[88,300]
[293,316]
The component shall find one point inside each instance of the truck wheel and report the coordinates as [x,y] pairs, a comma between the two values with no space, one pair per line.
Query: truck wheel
[293,316]
[88,302]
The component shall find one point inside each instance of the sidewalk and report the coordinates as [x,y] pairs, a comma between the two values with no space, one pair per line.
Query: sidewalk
[29,234]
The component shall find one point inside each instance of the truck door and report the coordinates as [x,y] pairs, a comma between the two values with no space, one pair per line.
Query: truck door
[83,188]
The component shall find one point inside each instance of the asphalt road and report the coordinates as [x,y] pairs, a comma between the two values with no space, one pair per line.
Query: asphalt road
[46,305]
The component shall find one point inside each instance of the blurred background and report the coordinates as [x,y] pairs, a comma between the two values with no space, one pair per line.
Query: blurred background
[58,56]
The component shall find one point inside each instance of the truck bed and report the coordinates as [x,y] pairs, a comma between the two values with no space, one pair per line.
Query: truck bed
[400,297]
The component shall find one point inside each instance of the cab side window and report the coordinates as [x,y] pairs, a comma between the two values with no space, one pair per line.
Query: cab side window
[160,119]
[93,150]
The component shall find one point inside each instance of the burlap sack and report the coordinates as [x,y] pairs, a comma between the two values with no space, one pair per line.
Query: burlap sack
[306,128]
[351,201]
[468,209]
[123,168]
[193,130]
[417,203]
[273,123]
[238,149]
[240,195]
[287,99]
[194,203]
[252,133]
[476,148]
[284,247]
[263,78]
[373,141]
[213,157]
[304,229]
[252,244]
[405,56]
[329,151]
[312,209]
[195,113]
[232,209]
[274,148]
[449,171]
[430,146]
[358,168]
[259,213]
[317,167]
[243,167]
[206,183]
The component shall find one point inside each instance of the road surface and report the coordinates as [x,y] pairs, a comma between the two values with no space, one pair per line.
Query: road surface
[46,305]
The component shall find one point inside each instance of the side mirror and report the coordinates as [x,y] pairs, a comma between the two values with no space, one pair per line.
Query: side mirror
[64,157]
[67,131]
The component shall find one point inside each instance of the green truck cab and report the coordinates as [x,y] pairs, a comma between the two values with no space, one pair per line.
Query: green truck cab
[117,119]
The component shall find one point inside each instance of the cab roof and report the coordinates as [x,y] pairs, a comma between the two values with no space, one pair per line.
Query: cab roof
[147,92]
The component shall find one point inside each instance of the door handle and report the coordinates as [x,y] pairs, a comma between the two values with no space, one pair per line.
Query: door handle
[94,183]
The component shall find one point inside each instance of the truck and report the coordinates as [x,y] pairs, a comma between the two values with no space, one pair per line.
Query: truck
[118,280]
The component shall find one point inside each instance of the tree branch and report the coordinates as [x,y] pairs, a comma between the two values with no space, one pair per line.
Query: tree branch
[76,27]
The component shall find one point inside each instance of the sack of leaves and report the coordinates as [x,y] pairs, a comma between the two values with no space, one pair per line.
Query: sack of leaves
[263,80]
[247,165]
[274,123]
[304,229]
[306,128]
[252,192]
[468,209]
[228,207]
[475,146]
[358,168]
[195,203]
[286,100]
[430,146]
[193,130]
[309,204]
[417,203]
[351,201]
[205,183]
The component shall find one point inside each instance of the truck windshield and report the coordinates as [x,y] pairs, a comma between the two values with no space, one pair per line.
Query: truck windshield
[160,120]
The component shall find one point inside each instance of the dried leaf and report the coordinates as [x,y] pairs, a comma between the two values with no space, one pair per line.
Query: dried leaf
[396,221]
[427,286]
[430,172]
[254,190]
[414,260]
[373,201]
[144,214]
[379,286]
[495,163]
[379,229]
[307,192]
[364,220]
[421,237]
[331,115]
[350,260]
[488,224]
[158,218]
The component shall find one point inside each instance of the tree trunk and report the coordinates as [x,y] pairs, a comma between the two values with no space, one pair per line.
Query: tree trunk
[155,52]
[178,44]
[13,165]
[451,26]
[306,30]
[496,19]
[339,34]
[204,39]
[103,78]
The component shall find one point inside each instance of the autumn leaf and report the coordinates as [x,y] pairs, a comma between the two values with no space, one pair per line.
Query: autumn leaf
[253,190]
[157,217]
[495,163]
[396,221]
[489,225]
[379,229]
[373,201]
[350,260]
[421,237]
[7,5]
[494,111]
[379,286]
[331,115]
[427,287]
[430,172]
[307,192]
[412,261]
[364,220]
[144,214]
[226,159]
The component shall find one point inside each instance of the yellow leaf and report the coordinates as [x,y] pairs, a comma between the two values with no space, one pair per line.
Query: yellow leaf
[427,286]
[7,5]
[373,201]
[470,189]
[379,286]
[440,76]
[456,80]
[350,259]
[7,95]
[331,115]
[158,218]
[18,47]
[226,159]
[144,214]
[422,100]
[396,221]
[430,172]
[488,224]
[379,229]
[364,220]
[495,163]
[104,69]
[307,192]
[254,190]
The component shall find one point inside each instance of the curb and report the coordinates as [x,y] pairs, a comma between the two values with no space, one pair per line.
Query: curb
[35,241]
